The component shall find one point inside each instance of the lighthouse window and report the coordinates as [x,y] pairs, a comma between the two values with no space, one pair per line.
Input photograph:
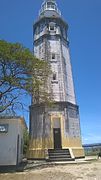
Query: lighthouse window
[54,76]
[50,5]
[53,55]
[52,27]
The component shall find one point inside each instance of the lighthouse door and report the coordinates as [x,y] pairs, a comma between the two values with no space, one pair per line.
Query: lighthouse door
[57,138]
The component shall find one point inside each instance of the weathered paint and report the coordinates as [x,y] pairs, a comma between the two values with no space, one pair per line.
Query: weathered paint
[51,44]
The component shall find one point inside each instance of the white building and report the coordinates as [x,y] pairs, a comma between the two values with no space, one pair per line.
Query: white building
[11,140]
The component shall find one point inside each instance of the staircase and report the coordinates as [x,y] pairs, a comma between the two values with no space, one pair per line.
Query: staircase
[59,155]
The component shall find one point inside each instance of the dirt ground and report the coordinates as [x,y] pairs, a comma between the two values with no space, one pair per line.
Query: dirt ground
[86,171]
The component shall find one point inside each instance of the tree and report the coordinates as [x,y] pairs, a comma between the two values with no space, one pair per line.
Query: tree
[20,73]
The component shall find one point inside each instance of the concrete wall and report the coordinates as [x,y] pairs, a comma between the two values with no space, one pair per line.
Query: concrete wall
[9,145]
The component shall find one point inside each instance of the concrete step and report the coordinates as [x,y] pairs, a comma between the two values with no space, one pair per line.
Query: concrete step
[60,159]
[59,155]
[58,151]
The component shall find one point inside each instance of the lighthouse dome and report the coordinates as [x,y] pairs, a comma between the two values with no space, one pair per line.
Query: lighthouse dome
[49,8]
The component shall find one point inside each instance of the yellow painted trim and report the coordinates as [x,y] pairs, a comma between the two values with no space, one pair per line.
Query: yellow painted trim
[39,146]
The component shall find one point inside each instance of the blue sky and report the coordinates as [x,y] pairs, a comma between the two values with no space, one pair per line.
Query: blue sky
[84,19]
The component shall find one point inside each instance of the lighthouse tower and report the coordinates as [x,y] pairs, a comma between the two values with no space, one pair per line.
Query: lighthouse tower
[55,131]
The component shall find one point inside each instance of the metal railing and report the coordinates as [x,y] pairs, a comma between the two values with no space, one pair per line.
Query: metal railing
[49,8]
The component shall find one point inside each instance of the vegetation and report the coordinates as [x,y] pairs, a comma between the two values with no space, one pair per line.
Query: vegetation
[92,151]
[20,74]
[25,141]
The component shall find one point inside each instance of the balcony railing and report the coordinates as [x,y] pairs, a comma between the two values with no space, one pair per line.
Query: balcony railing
[47,7]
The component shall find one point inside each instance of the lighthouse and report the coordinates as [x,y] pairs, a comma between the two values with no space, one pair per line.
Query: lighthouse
[54,130]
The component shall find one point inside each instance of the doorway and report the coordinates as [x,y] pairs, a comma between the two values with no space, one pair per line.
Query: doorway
[57,138]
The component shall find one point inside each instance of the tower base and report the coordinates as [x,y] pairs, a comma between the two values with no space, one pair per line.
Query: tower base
[55,128]
[40,154]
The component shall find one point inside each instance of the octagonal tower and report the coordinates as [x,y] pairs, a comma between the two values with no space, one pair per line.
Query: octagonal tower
[55,131]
